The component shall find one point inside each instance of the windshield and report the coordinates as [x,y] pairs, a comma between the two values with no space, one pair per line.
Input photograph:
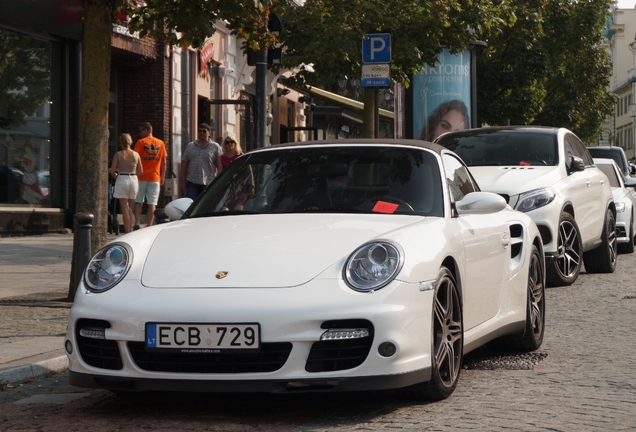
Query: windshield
[503,148]
[350,179]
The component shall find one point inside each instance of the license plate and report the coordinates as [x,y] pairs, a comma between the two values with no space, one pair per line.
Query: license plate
[202,338]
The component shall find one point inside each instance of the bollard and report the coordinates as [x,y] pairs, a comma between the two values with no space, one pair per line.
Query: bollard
[160,216]
[83,244]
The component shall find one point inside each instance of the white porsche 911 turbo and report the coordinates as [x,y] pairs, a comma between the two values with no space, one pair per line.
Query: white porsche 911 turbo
[324,266]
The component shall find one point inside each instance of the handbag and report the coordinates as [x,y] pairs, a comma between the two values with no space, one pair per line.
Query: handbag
[171,186]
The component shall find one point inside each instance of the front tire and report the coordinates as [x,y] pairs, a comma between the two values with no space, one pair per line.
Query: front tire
[628,247]
[566,268]
[603,258]
[448,339]
[535,310]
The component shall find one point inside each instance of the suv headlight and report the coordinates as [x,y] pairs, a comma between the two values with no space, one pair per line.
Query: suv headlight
[535,199]
[373,266]
[107,267]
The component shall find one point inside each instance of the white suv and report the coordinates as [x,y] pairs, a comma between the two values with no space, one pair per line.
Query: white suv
[549,174]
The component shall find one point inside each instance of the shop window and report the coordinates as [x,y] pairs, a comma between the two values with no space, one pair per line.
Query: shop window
[25,120]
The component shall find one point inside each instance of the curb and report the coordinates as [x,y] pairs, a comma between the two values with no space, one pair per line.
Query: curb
[18,374]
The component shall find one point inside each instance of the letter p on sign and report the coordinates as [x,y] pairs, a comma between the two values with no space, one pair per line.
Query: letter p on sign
[376,48]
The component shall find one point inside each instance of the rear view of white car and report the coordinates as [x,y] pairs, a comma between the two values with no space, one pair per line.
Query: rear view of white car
[549,174]
[625,200]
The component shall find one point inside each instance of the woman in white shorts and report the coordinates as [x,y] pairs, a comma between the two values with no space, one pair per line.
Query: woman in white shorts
[125,168]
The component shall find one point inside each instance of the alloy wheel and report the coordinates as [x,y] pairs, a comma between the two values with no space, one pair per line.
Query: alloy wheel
[569,252]
[448,332]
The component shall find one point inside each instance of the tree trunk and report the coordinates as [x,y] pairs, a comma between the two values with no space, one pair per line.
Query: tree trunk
[92,153]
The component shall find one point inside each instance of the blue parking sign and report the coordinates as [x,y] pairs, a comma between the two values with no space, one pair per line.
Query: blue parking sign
[376,48]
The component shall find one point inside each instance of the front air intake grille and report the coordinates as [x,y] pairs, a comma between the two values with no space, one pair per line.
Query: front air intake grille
[270,358]
[335,355]
[99,353]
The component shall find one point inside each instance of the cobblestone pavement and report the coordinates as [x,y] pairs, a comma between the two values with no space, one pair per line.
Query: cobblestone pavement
[584,381]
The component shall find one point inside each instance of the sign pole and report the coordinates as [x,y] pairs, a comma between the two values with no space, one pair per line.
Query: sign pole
[376,114]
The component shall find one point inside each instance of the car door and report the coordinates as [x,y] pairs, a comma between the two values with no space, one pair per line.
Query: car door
[485,241]
[589,206]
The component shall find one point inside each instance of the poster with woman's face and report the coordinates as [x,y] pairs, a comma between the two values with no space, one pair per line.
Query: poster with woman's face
[441,96]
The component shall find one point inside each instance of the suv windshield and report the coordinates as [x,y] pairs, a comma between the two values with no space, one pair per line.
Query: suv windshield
[503,148]
[360,179]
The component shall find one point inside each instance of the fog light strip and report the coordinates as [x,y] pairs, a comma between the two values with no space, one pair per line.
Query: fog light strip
[93,333]
[339,334]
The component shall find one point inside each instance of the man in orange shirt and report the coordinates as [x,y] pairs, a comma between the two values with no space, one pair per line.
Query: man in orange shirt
[153,154]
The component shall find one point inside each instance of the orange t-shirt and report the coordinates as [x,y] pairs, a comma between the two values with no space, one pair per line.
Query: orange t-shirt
[152,152]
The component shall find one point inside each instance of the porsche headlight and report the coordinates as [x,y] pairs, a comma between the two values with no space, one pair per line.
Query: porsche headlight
[620,207]
[372,266]
[107,267]
[535,199]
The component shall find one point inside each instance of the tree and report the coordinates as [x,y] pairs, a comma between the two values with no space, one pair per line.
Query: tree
[177,22]
[548,68]
[328,33]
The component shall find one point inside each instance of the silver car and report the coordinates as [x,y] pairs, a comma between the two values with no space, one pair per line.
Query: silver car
[625,200]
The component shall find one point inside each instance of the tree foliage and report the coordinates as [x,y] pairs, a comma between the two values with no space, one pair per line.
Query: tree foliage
[548,68]
[191,22]
[328,33]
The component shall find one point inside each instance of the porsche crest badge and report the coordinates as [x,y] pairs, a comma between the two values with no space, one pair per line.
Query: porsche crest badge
[221,274]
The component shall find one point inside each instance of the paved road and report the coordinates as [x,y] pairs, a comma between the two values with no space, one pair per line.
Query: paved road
[587,382]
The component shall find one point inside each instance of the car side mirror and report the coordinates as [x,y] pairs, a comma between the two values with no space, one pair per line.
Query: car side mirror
[480,203]
[576,164]
[175,209]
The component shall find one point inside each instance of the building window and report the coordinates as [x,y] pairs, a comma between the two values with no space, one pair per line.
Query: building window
[25,120]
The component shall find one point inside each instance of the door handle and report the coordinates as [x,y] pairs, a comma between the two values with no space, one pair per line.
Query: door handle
[505,240]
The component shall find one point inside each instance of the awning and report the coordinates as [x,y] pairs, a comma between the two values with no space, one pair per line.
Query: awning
[346,101]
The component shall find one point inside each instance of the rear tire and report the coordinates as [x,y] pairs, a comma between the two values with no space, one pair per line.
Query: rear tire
[448,340]
[603,258]
[566,268]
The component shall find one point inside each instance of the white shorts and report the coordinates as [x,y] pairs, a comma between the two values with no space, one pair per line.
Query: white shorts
[126,187]
[148,190]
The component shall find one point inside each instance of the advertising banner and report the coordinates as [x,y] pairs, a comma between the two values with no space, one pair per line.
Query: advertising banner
[441,97]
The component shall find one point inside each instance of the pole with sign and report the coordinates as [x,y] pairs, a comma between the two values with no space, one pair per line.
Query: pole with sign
[376,68]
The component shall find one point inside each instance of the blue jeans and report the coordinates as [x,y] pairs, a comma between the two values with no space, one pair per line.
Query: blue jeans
[193,190]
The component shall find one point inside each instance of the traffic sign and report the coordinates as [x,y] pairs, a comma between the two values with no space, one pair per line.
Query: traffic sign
[376,71]
[376,75]
[375,82]
[376,48]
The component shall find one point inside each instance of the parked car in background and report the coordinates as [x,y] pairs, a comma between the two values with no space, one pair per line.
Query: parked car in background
[324,266]
[625,200]
[616,153]
[547,173]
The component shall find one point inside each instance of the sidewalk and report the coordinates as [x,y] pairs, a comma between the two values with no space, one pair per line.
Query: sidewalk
[34,283]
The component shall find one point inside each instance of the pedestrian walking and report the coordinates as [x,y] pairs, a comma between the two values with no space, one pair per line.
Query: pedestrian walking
[231,150]
[125,168]
[153,160]
[199,163]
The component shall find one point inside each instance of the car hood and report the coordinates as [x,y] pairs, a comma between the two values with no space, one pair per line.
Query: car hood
[281,250]
[513,180]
